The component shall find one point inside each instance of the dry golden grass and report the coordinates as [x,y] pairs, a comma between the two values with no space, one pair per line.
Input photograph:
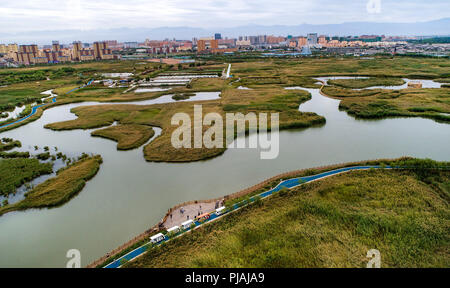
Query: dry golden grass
[128,136]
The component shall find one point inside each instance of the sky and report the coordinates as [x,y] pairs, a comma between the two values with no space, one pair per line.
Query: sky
[43,15]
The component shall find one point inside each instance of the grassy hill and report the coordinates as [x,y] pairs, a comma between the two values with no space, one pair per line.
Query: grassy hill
[328,223]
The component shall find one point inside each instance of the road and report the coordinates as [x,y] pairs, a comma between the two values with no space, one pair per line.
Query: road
[289,184]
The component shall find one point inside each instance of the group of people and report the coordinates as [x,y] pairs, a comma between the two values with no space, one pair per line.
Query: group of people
[199,212]
[187,216]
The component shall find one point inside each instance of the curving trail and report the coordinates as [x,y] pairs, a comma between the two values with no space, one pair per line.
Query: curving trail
[34,108]
[288,184]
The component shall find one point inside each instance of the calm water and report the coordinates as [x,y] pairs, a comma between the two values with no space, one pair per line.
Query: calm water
[130,195]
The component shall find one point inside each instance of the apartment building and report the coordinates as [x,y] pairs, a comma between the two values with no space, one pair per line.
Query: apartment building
[99,51]
[312,38]
[207,44]
[102,52]
[4,49]
[322,40]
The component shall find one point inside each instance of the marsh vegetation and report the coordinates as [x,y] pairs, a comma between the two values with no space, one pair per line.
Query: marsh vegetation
[58,190]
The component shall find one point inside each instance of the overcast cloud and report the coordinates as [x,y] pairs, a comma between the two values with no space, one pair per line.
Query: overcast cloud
[39,15]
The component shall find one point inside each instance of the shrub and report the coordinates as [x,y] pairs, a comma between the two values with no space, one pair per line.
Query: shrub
[43,156]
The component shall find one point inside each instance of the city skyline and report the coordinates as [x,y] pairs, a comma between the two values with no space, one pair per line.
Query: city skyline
[430,28]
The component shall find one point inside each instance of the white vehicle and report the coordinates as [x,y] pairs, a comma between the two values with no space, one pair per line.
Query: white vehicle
[220,210]
[187,224]
[174,229]
[157,238]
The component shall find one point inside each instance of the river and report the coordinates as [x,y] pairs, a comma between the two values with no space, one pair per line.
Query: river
[130,195]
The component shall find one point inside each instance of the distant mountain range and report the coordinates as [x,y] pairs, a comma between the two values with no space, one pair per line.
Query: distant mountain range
[436,27]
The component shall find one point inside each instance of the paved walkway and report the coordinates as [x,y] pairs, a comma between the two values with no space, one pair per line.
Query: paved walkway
[191,210]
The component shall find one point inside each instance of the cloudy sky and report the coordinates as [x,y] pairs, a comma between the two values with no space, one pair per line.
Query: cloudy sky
[41,15]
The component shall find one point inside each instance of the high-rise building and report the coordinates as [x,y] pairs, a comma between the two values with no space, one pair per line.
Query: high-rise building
[227,42]
[27,54]
[6,49]
[206,44]
[13,48]
[53,57]
[33,48]
[253,40]
[312,38]
[322,40]
[302,41]
[55,46]
[99,47]
[130,45]
[262,39]
[87,55]
[217,36]
[76,51]
[112,43]
[102,52]
[275,40]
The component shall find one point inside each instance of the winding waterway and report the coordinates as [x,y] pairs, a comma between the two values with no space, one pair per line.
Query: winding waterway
[130,195]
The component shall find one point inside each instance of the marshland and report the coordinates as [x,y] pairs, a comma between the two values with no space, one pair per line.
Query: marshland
[315,130]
